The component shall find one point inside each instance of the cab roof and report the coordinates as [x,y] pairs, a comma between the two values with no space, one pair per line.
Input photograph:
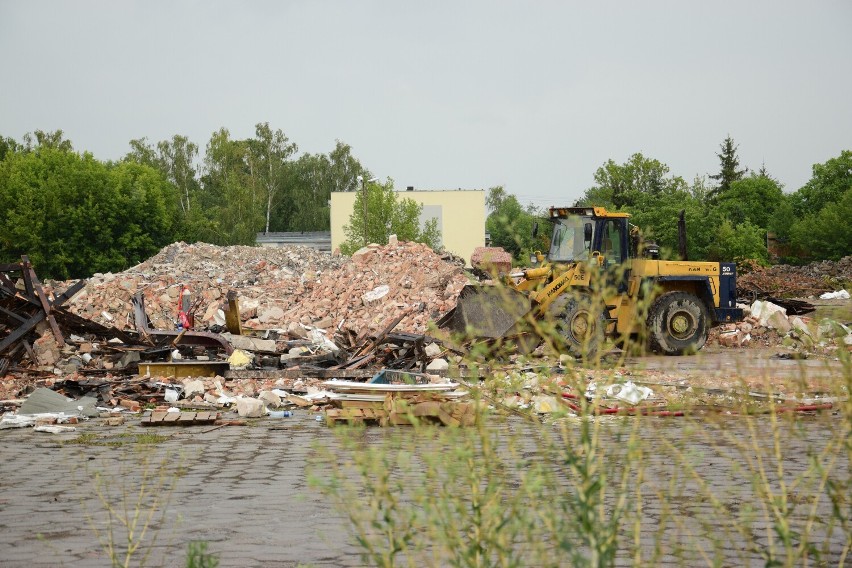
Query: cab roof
[561,212]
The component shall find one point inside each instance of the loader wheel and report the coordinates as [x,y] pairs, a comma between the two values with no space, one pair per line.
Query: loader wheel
[677,324]
[582,326]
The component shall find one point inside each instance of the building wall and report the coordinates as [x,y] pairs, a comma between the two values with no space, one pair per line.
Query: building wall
[460,214]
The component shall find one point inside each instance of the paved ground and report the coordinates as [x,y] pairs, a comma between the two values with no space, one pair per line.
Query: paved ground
[244,490]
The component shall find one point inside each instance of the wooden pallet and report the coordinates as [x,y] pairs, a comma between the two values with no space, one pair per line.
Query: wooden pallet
[398,411]
[180,418]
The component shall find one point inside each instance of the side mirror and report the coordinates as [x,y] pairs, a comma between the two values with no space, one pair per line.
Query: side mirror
[535,230]
[587,233]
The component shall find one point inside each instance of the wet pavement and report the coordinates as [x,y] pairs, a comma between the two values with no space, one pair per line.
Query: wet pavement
[244,490]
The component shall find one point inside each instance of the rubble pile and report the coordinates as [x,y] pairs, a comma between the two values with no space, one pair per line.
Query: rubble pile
[280,287]
[796,281]
[767,324]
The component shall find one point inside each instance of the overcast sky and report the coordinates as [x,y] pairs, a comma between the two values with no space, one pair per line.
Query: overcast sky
[442,95]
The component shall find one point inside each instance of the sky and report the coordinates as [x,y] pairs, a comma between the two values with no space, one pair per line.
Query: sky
[534,96]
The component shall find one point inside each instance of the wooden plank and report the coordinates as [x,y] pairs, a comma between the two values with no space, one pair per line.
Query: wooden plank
[361,404]
[35,284]
[186,417]
[171,417]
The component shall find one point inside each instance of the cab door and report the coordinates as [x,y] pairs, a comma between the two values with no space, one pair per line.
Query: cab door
[614,247]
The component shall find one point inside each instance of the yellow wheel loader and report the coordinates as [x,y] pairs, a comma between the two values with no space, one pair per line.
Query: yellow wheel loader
[591,285]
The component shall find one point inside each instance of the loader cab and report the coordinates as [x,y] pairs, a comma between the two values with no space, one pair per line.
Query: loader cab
[580,233]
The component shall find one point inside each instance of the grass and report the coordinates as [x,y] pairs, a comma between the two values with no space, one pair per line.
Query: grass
[117,440]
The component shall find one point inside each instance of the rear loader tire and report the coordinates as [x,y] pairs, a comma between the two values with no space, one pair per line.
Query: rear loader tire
[582,327]
[677,324]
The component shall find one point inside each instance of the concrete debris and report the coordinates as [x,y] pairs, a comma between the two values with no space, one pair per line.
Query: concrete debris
[248,343]
[250,408]
[44,400]
[53,429]
[438,365]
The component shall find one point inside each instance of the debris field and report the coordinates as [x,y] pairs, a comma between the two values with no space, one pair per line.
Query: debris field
[292,328]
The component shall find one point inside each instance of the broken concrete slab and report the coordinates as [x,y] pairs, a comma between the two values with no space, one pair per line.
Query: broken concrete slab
[44,400]
[247,343]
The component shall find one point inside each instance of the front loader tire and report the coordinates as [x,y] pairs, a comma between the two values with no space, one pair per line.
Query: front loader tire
[677,324]
[582,327]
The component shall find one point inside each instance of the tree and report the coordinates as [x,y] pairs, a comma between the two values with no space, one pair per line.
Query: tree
[178,157]
[8,146]
[752,199]
[828,233]
[622,185]
[233,205]
[738,242]
[510,224]
[175,159]
[55,139]
[730,171]
[310,181]
[386,215]
[75,216]
[828,184]
[821,210]
[268,152]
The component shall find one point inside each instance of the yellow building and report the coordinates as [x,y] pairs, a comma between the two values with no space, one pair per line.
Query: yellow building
[460,215]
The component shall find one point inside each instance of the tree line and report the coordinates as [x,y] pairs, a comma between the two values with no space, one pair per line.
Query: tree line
[75,215]
[728,214]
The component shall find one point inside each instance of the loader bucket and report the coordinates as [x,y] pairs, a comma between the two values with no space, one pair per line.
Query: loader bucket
[486,311]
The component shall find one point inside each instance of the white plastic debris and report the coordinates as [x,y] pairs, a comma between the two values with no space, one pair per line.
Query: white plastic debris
[17,421]
[839,295]
[170,395]
[629,392]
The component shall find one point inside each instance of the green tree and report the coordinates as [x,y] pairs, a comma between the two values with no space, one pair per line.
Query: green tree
[231,195]
[783,219]
[657,218]
[753,198]
[386,214]
[268,155]
[51,139]
[826,234]
[828,184]
[622,185]
[738,242]
[175,159]
[310,181]
[8,146]
[511,225]
[730,171]
[74,215]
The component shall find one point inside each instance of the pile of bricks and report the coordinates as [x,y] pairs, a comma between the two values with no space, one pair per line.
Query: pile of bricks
[281,287]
